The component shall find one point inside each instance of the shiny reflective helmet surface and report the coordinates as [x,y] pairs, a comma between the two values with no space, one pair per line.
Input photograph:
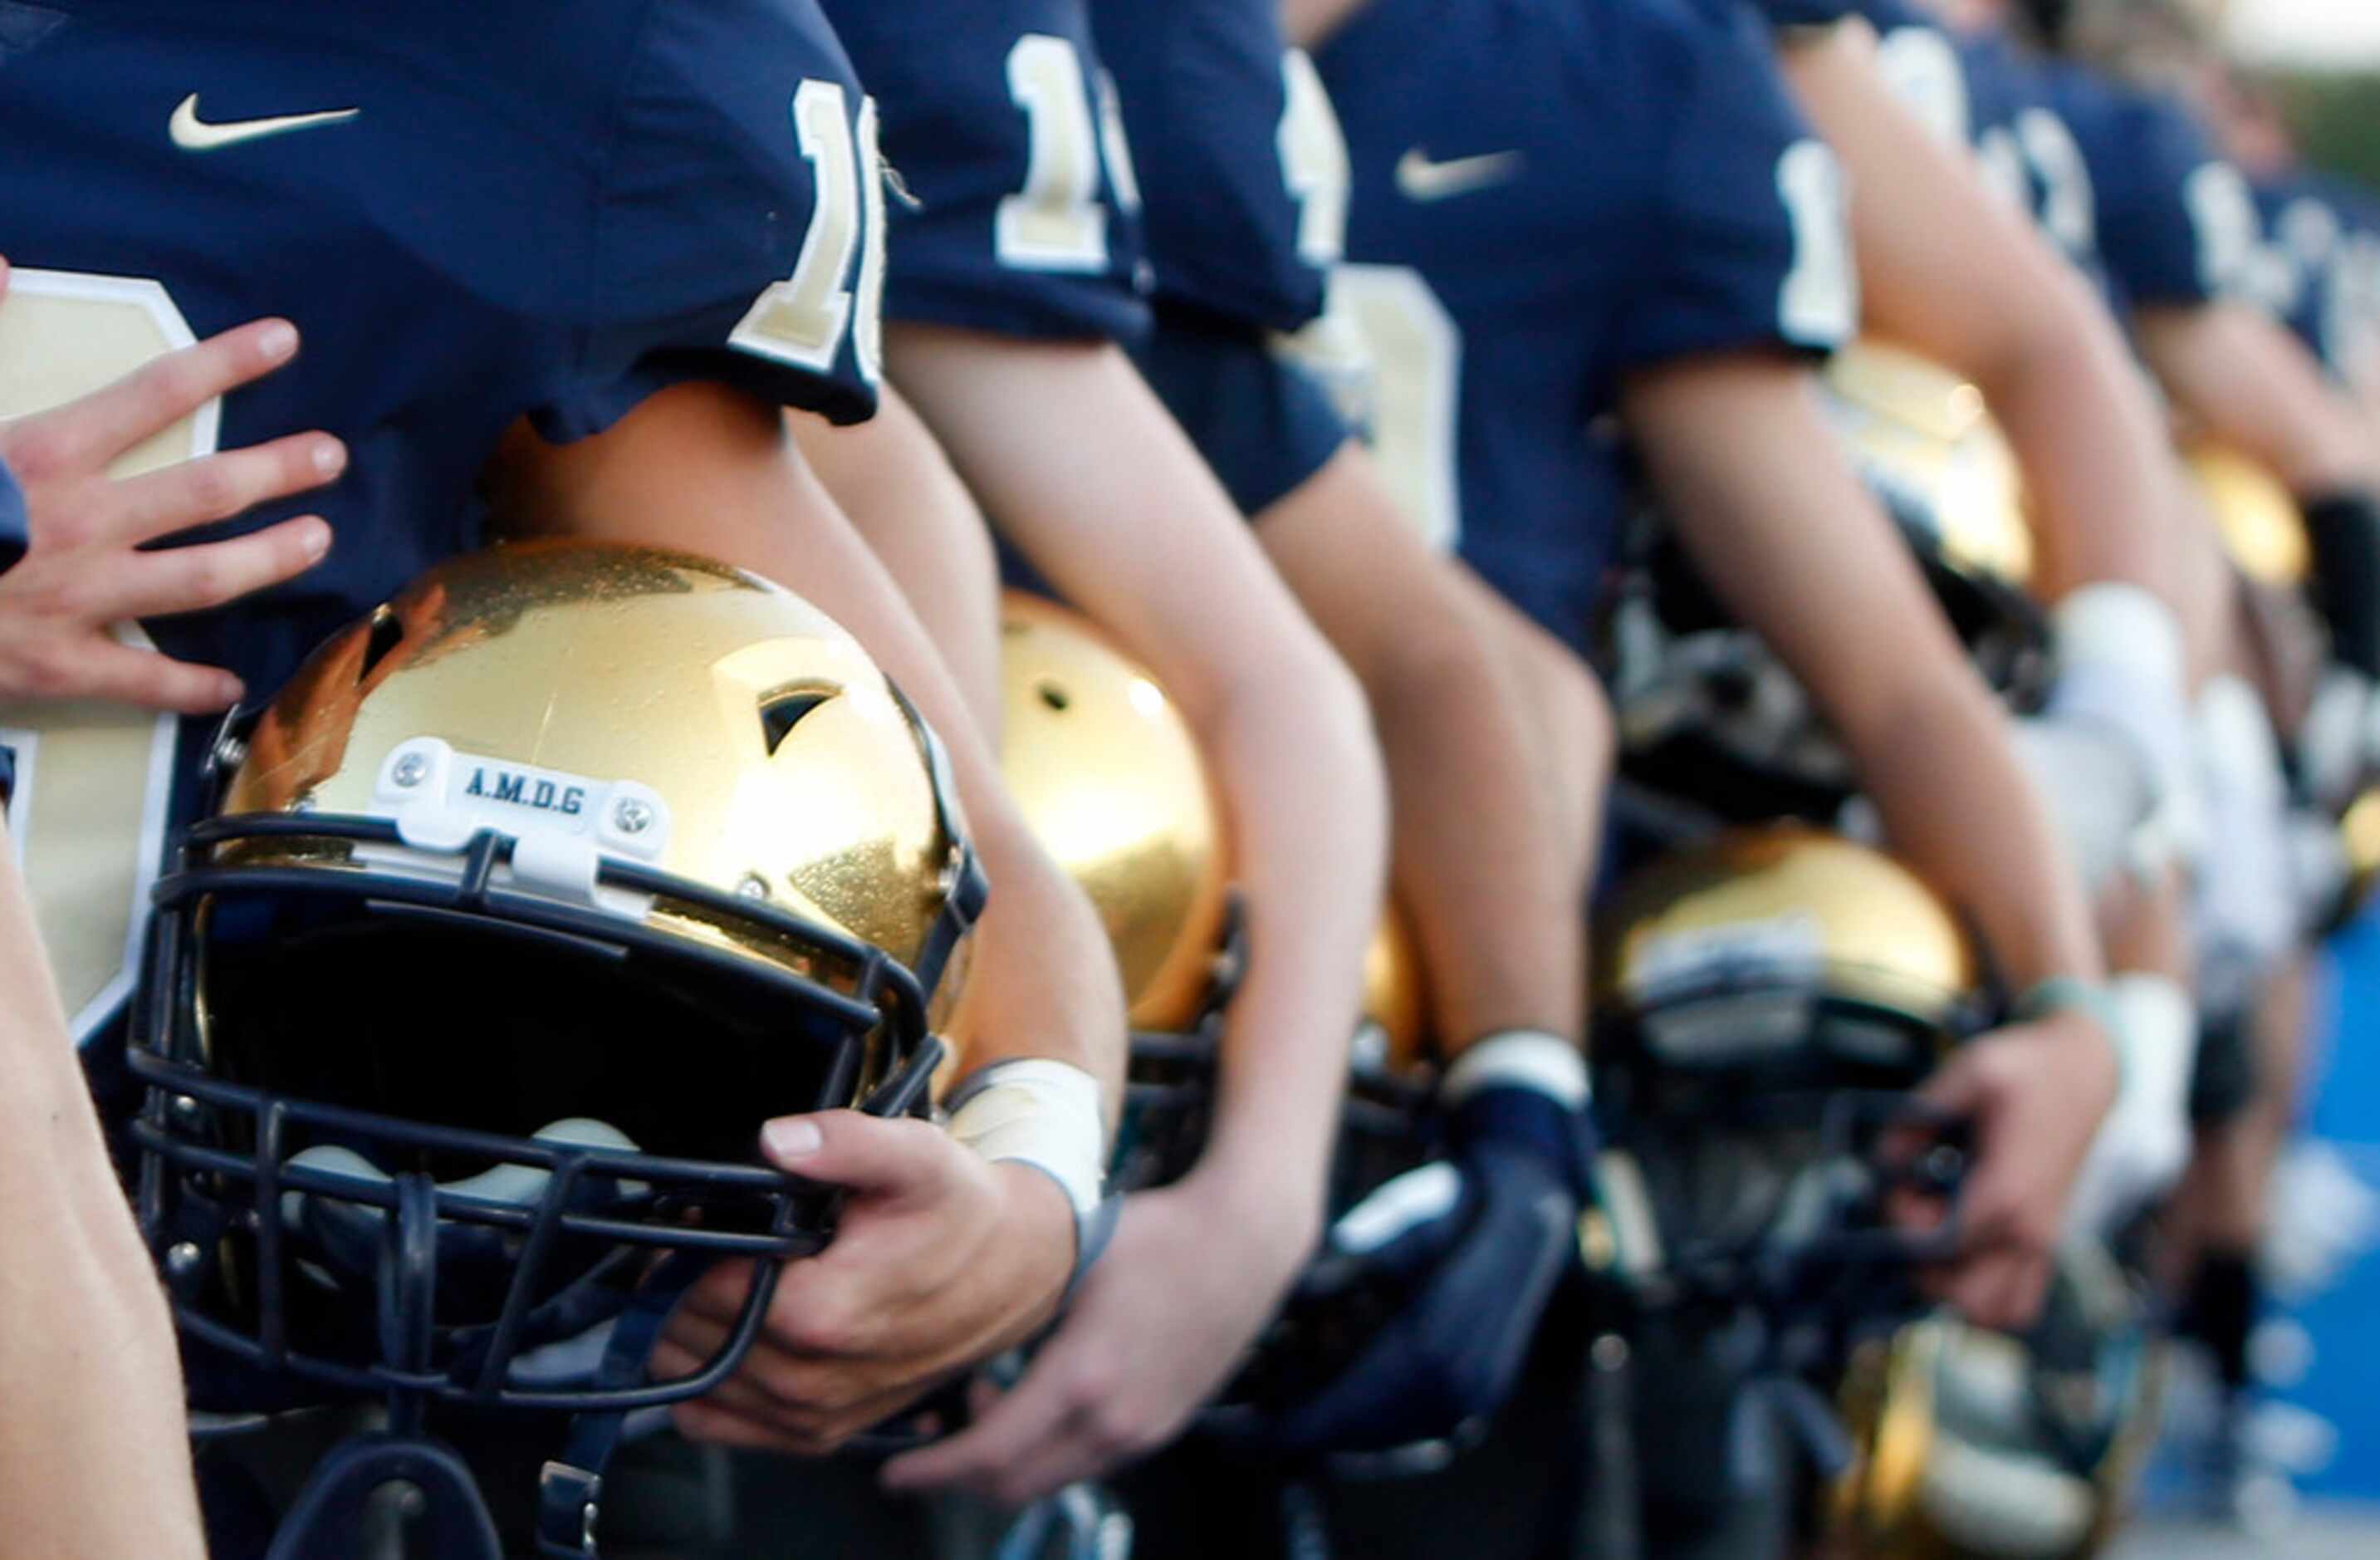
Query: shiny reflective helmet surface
[1111,782]
[1765,1000]
[2262,532]
[519,909]
[1972,1444]
[1924,435]
[1708,714]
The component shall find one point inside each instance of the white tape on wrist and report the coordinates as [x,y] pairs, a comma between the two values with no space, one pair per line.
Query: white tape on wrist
[1519,1058]
[1043,1113]
[2123,627]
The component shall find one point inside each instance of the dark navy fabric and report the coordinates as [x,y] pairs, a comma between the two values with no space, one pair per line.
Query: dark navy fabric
[2177,224]
[12,508]
[1238,253]
[1553,195]
[1261,419]
[523,218]
[2313,267]
[966,88]
[1204,85]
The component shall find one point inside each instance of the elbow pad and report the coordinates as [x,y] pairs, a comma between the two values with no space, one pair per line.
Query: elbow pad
[2344,528]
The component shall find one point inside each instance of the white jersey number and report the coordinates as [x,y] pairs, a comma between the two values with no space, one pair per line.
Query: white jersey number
[87,814]
[803,319]
[1313,160]
[1818,303]
[1056,221]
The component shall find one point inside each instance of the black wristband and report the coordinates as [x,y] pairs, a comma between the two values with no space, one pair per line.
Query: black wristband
[2344,531]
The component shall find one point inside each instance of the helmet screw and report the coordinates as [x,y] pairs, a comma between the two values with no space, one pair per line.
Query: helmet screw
[753,886]
[185,1108]
[182,1259]
[411,770]
[1609,1353]
[631,816]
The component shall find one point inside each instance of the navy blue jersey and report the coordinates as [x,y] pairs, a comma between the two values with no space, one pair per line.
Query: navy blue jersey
[2177,224]
[1018,210]
[1548,196]
[475,215]
[2314,268]
[1243,175]
[1243,169]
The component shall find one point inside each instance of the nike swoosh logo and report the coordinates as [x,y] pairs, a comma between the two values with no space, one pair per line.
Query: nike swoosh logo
[194,134]
[1422,179]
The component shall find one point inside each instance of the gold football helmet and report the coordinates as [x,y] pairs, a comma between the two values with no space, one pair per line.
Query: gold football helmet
[524,904]
[1764,1001]
[1971,1444]
[1112,783]
[2261,531]
[1924,435]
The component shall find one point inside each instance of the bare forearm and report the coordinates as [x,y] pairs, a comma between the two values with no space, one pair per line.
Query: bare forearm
[2247,383]
[1080,467]
[1494,898]
[91,1386]
[1802,554]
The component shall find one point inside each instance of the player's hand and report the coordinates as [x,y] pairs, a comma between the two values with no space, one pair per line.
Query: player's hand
[942,1258]
[83,569]
[2036,1094]
[1189,1264]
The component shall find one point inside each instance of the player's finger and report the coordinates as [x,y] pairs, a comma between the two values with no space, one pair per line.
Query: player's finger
[868,1153]
[104,669]
[195,579]
[1012,1446]
[698,1422]
[86,434]
[198,492]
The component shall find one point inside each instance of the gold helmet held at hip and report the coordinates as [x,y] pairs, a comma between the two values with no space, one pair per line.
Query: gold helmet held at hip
[2263,532]
[1112,782]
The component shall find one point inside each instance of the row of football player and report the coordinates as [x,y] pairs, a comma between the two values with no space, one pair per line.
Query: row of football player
[1513,296]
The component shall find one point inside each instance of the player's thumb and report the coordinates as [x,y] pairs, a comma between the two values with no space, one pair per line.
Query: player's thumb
[847,1148]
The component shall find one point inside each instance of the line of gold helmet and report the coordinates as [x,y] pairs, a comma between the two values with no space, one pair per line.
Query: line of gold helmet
[1111,779]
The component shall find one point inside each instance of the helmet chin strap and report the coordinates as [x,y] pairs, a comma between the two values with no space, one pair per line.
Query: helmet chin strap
[403,1250]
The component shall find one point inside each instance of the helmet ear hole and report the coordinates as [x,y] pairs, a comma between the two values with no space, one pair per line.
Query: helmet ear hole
[780,712]
[388,632]
[1052,695]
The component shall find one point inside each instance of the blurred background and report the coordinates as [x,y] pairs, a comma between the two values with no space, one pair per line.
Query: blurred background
[2317,1354]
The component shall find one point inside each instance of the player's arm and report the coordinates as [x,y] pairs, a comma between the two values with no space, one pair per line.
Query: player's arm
[1082,469]
[891,477]
[1462,728]
[1800,551]
[1949,269]
[91,1386]
[1079,465]
[957,1256]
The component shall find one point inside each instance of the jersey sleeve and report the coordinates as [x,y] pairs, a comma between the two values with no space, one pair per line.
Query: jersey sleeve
[1263,424]
[737,234]
[2177,225]
[1242,170]
[1750,245]
[1017,207]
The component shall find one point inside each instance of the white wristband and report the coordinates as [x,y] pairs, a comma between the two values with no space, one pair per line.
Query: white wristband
[1519,1059]
[1044,1113]
[2111,623]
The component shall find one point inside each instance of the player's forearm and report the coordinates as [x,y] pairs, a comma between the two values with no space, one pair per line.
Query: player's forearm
[1948,268]
[91,1386]
[1797,547]
[1058,441]
[2250,383]
[1494,898]
[915,514]
[1961,808]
